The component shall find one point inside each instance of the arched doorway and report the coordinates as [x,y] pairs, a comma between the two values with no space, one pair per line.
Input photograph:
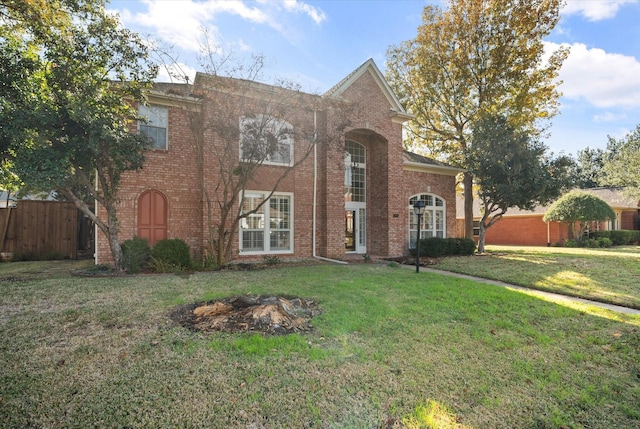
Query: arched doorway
[152,216]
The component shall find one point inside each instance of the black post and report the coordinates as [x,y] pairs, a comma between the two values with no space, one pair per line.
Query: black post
[418,245]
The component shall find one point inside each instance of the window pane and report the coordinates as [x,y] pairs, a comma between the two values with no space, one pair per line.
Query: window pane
[280,240]
[156,127]
[253,240]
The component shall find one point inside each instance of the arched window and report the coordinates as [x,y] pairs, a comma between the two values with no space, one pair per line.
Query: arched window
[434,220]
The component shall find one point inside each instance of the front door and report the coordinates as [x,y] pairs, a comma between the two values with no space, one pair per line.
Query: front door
[152,216]
[355,229]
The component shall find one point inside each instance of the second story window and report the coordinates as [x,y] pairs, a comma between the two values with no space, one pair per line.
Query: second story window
[156,126]
[265,139]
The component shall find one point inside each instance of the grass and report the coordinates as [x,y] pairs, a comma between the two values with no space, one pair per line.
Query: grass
[421,350]
[606,275]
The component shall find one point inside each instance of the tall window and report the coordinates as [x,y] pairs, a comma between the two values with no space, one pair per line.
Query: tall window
[266,139]
[433,221]
[156,126]
[354,172]
[269,229]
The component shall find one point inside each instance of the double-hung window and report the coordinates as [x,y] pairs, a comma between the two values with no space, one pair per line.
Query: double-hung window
[268,226]
[156,126]
[433,221]
[266,139]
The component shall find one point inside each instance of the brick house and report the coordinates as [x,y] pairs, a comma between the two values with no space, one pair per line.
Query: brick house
[526,228]
[349,187]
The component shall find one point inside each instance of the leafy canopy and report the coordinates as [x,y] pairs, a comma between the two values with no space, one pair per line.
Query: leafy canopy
[622,166]
[68,68]
[473,58]
[512,170]
[579,206]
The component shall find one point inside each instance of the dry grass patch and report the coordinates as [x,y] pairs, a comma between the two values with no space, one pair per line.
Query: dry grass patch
[390,348]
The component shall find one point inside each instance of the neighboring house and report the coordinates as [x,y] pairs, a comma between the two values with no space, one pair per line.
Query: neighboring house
[355,198]
[526,228]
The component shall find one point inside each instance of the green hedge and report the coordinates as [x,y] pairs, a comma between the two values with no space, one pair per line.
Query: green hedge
[619,237]
[434,247]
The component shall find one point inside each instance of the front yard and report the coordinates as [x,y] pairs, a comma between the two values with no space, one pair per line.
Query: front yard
[390,349]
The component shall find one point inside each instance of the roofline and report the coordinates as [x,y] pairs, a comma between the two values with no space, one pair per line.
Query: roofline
[432,168]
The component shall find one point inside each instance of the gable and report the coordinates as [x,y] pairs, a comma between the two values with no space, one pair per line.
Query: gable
[398,113]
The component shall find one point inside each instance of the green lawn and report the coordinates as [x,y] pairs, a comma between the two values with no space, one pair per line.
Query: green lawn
[391,347]
[606,275]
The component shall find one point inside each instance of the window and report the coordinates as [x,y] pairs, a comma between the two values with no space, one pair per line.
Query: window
[265,139]
[354,172]
[156,127]
[476,228]
[269,229]
[433,221]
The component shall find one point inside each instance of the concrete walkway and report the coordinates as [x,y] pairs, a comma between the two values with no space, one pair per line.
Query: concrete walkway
[549,295]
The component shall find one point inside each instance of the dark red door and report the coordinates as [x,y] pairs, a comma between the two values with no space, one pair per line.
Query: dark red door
[152,216]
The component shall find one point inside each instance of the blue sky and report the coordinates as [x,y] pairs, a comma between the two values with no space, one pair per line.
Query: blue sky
[317,43]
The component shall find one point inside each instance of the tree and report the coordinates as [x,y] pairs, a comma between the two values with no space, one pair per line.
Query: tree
[581,208]
[68,124]
[622,165]
[511,170]
[476,57]
[274,135]
[588,168]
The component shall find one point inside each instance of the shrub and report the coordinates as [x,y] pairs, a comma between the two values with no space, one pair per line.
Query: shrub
[172,253]
[435,247]
[621,237]
[604,242]
[136,253]
[571,243]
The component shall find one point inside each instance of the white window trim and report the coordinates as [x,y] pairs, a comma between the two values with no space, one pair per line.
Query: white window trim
[431,208]
[166,148]
[267,226]
[276,123]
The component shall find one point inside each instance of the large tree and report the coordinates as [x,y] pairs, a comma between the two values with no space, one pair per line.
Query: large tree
[512,170]
[67,124]
[476,57]
[622,163]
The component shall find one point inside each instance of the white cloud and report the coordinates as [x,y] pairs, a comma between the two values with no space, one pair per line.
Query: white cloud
[603,79]
[317,15]
[594,10]
[176,73]
[609,117]
[180,23]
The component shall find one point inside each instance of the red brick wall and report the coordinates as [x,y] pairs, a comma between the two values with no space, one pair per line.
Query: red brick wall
[174,173]
[429,183]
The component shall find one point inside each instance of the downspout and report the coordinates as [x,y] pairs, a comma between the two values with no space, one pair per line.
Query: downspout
[548,235]
[315,190]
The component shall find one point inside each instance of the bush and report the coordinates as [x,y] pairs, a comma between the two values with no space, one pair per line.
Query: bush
[435,247]
[136,253]
[171,253]
[619,237]
[604,242]
[571,243]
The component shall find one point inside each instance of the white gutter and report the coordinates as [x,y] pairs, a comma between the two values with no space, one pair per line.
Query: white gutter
[315,190]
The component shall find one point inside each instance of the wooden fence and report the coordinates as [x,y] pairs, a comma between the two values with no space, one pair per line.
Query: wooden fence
[40,228]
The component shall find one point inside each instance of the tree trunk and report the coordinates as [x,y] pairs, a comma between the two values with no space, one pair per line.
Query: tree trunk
[468,205]
[481,237]
[114,242]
